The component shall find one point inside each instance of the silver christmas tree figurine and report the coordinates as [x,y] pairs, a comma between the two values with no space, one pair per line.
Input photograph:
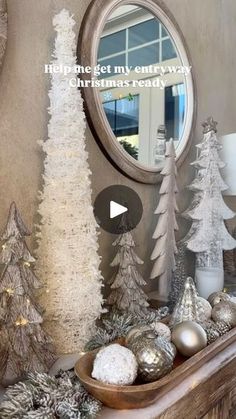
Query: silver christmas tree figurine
[127,294]
[24,347]
[188,306]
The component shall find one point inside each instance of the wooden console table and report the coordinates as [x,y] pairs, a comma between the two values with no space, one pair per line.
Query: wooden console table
[209,393]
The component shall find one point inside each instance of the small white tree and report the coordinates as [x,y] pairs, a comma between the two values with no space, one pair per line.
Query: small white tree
[126,292]
[209,236]
[68,247]
[165,247]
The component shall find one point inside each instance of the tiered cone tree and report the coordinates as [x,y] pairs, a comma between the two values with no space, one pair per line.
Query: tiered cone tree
[209,236]
[126,284]
[188,306]
[164,234]
[24,347]
[68,260]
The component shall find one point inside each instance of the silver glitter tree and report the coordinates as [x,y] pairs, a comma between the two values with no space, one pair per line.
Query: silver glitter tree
[210,236]
[24,346]
[188,307]
[126,292]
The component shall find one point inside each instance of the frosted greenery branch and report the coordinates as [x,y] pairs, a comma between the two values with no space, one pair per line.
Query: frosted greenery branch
[42,396]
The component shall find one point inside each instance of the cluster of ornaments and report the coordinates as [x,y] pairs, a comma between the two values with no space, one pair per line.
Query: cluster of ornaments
[149,351]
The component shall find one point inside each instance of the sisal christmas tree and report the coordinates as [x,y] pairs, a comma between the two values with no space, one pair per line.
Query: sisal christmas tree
[188,306]
[126,292]
[24,347]
[208,236]
[67,237]
[165,247]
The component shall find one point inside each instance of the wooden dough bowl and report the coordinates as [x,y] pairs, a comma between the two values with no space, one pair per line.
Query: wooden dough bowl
[142,395]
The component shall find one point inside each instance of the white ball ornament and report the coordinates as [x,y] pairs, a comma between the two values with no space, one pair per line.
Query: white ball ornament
[115,365]
[161,329]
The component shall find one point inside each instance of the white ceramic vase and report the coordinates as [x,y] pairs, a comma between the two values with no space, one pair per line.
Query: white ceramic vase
[209,280]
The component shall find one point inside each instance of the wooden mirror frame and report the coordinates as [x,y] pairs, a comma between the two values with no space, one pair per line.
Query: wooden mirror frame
[89,37]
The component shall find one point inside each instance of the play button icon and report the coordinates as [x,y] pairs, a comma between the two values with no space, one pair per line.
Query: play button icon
[118,207]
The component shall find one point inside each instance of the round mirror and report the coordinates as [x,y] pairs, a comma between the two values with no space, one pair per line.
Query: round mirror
[144,86]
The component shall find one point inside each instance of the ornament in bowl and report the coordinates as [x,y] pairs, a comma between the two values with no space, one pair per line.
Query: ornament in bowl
[115,365]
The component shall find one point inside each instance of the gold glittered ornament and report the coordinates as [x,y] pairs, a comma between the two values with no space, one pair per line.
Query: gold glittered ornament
[189,338]
[155,356]
[225,311]
[217,297]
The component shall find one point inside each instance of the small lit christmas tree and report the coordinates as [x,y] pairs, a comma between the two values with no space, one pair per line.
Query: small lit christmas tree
[165,247]
[127,294]
[24,347]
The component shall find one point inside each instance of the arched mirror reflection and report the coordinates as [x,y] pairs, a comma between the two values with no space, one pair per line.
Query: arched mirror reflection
[152,108]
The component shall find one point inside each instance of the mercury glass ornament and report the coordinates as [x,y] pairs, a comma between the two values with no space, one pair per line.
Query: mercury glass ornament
[189,338]
[217,297]
[155,356]
[225,311]
[134,332]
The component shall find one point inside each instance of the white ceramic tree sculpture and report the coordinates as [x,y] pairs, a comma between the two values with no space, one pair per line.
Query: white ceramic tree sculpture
[126,292]
[68,247]
[208,236]
[165,247]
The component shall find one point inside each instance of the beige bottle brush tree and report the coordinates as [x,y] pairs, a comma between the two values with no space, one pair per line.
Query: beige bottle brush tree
[165,248]
[24,347]
[67,238]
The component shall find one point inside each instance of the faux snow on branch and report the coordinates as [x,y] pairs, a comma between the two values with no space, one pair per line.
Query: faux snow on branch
[165,247]
[67,237]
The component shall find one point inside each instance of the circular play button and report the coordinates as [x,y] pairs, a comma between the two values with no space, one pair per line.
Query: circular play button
[118,209]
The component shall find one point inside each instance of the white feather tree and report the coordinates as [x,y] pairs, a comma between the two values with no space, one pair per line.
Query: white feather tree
[67,238]
[165,247]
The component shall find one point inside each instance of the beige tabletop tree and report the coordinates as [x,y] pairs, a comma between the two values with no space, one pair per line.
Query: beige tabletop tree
[165,248]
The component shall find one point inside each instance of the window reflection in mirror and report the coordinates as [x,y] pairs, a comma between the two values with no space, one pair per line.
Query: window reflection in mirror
[134,37]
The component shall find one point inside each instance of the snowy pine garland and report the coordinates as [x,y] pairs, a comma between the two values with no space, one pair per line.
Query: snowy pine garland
[45,397]
[67,237]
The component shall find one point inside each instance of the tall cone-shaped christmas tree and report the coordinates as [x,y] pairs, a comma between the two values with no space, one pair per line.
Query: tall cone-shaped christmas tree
[210,237]
[127,294]
[24,347]
[68,259]
[165,247]
[188,306]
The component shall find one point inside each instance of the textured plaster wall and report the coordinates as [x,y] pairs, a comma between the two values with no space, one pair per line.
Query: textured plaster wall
[209,29]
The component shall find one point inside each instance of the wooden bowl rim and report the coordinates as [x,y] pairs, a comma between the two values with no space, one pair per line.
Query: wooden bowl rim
[194,362]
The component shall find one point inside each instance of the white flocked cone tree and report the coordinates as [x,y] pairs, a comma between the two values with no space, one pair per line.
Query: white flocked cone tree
[165,247]
[67,238]
[208,236]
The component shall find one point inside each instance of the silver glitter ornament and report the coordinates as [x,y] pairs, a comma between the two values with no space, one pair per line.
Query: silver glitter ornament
[189,338]
[225,311]
[155,356]
[222,327]
[212,335]
[205,313]
[217,297]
